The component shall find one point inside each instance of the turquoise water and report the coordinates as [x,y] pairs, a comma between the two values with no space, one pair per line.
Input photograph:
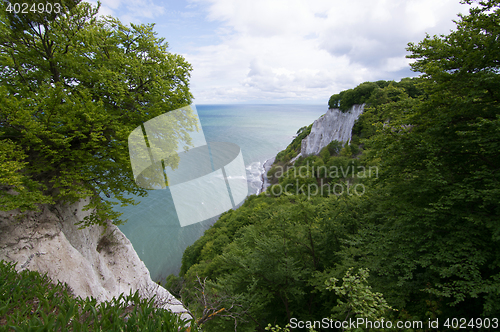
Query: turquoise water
[261,131]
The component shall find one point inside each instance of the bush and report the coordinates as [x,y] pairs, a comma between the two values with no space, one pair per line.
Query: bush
[325,154]
[334,147]
[30,301]
[293,149]
[347,98]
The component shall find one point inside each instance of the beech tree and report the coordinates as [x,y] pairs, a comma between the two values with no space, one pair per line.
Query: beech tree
[73,85]
[439,171]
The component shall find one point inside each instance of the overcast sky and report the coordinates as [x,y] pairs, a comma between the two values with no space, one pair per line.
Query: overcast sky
[289,51]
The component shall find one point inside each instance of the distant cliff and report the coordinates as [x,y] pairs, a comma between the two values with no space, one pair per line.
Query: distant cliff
[333,125]
[94,261]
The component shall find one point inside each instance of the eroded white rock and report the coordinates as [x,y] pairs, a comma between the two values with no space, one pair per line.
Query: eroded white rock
[333,125]
[93,261]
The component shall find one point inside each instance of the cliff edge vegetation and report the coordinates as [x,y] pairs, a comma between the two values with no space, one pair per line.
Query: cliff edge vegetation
[73,85]
[400,227]
[32,302]
[372,95]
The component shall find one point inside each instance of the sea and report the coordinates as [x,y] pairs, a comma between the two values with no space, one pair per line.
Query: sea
[261,131]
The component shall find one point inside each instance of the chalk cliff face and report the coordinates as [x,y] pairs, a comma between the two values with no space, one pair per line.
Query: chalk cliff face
[94,261]
[334,125]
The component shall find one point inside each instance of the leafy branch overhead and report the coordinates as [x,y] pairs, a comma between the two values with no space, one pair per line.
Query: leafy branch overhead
[72,87]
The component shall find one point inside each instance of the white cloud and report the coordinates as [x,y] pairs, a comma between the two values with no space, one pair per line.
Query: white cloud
[290,50]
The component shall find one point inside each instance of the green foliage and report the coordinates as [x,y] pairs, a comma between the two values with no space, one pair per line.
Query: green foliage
[373,93]
[440,174]
[174,285]
[348,98]
[27,193]
[324,154]
[434,237]
[356,297]
[277,328]
[271,262]
[29,302]
[72,87]
[426,227]
[293,149]
[334,147]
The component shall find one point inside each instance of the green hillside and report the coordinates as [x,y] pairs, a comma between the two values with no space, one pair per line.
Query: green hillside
[401,225]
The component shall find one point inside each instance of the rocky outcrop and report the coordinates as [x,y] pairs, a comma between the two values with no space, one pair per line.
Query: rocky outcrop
[333,125]
[94,261]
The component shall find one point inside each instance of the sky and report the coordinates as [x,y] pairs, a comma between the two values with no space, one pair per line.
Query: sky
[289,51]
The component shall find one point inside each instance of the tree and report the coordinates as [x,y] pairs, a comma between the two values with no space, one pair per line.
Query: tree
[357,299]
[359,95]
[72,87]
[440,174]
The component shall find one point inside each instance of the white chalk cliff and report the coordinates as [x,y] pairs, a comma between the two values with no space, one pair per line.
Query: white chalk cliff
[94,261]
[333,125]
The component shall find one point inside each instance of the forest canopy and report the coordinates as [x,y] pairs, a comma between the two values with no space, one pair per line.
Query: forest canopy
[73,85]
[370,93]
[420,243]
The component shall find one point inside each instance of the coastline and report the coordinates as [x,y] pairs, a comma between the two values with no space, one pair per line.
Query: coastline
[265,168]
[152,225]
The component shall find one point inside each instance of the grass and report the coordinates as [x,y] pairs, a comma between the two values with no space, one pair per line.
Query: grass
[32,302]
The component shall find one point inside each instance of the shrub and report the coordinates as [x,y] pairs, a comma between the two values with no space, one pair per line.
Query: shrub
[30,301]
